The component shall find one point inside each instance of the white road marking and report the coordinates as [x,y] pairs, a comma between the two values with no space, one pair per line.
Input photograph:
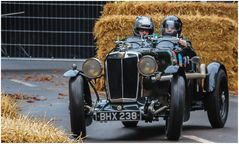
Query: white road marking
[24,83]
[198,139]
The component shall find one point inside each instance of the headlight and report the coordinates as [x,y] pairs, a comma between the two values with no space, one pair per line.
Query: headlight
[92,68]
[147,65]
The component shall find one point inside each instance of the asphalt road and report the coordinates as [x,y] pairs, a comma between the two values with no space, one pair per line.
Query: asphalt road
[46,96]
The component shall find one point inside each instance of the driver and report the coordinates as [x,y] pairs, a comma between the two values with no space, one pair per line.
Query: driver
[143,26]
[172,26]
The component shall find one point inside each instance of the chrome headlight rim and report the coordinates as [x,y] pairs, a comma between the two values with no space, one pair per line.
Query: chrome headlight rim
[155,65]
[86,73]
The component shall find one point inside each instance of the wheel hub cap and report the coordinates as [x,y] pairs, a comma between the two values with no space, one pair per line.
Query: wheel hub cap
[223,97]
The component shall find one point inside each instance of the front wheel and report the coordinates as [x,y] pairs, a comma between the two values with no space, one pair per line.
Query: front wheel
[218,101]
[130,123]
[77,114]
[174,121]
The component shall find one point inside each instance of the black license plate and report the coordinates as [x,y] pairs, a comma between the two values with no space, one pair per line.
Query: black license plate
[118,116]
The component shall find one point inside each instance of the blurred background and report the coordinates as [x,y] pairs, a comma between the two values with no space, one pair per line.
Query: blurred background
[49,29]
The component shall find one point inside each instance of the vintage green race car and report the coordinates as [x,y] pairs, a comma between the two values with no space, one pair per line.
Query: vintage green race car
[147,79]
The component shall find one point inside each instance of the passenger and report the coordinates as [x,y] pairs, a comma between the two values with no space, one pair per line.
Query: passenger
[172,26]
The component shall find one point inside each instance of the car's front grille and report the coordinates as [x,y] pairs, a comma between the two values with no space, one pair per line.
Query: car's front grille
[114,77]
[122,77]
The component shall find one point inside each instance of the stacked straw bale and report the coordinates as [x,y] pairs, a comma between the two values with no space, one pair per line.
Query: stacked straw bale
[16,128]
[23,129]
[8,107]
[169,8]
[213,38]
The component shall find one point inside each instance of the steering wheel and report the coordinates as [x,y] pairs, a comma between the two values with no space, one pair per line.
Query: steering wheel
[172,40]
[135,42]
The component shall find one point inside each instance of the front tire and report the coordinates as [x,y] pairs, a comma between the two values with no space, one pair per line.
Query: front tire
[174,121]
[77,114]
[218,101]
[130,123]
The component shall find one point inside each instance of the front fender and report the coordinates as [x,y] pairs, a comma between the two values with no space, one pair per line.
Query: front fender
[212,71]
[175,69]
[71,73]
[171,69]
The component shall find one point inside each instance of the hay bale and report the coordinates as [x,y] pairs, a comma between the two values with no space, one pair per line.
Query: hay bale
[23,129]
[16,128]
[169,8]
[9,107]
[213,38]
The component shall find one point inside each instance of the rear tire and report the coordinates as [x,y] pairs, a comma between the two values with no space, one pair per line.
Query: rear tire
[130,123]
[77,114]
[218,101]
[174,121]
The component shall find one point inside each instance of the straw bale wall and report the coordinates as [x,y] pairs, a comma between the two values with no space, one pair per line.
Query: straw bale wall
[23,129]
[17,128]
[168,8]
[213,38]
[8,107]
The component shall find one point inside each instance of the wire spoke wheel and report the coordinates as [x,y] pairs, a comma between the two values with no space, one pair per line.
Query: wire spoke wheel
[218,101]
